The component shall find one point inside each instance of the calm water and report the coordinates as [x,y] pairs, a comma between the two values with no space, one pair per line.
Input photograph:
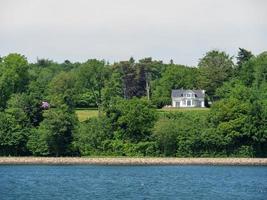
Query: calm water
[132,182]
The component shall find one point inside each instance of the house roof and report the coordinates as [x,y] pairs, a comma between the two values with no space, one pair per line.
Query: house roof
[198,93]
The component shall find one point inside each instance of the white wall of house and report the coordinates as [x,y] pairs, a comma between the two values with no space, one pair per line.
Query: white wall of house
[187,102]
[202,104]
[188,99]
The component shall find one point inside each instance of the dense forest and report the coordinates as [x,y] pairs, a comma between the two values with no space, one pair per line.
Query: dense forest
[38,103]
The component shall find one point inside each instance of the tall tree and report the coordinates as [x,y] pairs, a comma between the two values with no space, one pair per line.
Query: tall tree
[113,87]
[132,120]
[260,70]
[254,71]
[243,56]
[215,68]
[62,89]
[174,77]
[13,133]
[54,135]
[147,71]
[128,75]
[14,76]
[92,75]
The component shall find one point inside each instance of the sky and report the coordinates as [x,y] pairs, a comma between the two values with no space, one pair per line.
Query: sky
[114,30]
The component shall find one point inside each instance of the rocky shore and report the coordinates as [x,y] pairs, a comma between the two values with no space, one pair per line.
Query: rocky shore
[131,161]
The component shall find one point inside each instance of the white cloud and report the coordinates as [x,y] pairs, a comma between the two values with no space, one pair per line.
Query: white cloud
[117,29]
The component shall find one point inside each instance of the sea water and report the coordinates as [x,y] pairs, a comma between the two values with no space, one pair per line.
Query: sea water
[132,182]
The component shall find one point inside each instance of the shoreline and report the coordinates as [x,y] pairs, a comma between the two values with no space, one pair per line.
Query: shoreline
[131,161]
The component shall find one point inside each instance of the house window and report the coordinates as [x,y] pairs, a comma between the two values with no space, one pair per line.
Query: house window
[188,95]
[184,102]
[188,102]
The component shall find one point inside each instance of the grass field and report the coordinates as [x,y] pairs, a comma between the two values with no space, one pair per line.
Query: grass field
[84,114]
[189,111]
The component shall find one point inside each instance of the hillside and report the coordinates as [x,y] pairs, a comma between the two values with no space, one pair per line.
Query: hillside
[87,113]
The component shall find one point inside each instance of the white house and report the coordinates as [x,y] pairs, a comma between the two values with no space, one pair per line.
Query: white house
[188,98]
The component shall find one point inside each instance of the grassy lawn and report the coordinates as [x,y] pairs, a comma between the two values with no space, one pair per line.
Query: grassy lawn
[84,114]
[189,111]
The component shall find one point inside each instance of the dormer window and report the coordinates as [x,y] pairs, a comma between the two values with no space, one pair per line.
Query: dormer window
[188,95]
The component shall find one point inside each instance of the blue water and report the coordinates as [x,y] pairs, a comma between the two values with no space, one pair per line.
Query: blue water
[132,182]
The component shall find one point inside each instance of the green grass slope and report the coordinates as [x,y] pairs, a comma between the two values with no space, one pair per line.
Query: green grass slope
[84,114]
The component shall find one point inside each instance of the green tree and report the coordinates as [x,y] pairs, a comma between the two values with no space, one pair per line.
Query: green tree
[258,120]
[132,120]
[54,135]
[260,65]
[179,133]
[40,79]
[29,105]
[231,117]
[113,88]
[165,134]
[13,134]
[62,89]
[147,70]
[254,71]
[215,68]
[14,77]
[127,71]
[136,77]
[92,135]
[174,77]
[92,75]
[242,57]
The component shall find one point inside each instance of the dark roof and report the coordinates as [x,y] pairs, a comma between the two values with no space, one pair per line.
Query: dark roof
[178,93]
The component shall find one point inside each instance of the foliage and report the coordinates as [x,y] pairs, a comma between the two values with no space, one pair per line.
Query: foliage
[176,135]
[137,78]
[13,135]
[125,130]
[126,95]
[91,136]
[14,76]
[239,118]
[113,88]
[174,77]
[242,57]
[132,120]
[54,135]
[91,78]
[61,89]
[27,104]
[166,134]
[215,68]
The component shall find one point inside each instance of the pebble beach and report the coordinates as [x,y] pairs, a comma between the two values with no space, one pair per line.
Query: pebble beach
[131,161]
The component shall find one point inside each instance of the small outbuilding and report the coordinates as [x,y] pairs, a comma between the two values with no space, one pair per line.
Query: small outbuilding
[188,98]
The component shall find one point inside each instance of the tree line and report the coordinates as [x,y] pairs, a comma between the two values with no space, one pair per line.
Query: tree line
[128,96]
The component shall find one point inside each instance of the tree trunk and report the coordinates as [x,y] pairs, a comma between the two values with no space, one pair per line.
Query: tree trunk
[147,87]
[147,90]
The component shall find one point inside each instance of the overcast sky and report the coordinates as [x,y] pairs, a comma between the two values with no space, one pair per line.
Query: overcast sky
[182,30]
